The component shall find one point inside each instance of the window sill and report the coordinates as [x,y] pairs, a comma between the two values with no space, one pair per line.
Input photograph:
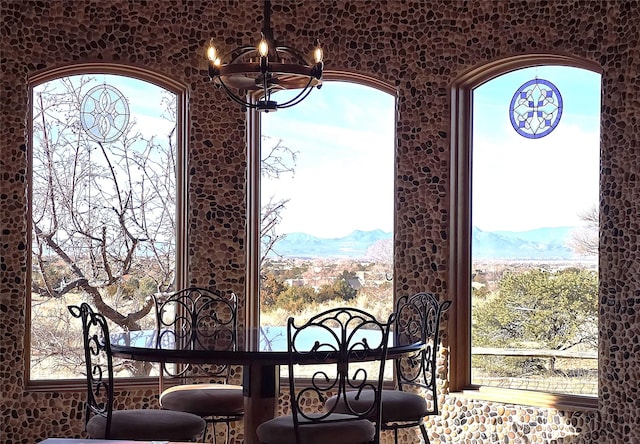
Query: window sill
[562,402]
[80,385]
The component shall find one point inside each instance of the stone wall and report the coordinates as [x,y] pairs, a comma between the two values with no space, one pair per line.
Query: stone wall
[421,48]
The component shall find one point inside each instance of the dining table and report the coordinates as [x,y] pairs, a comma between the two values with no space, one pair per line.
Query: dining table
[261,366]
[103,441]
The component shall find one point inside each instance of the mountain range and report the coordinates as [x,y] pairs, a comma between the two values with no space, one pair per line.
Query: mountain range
[541,243]
[548,243]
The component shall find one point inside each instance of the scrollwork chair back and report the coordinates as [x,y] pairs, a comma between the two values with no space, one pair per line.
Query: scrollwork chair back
[98,362]
[356,344]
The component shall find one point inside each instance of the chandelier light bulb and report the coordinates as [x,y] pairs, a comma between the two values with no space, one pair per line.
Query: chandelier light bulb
[263,47]
[317,53]
[212,54]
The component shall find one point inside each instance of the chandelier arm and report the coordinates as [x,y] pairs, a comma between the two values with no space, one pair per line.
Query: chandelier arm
[300,58]
[235,98]
[290,103]
[238,53]
[299,98]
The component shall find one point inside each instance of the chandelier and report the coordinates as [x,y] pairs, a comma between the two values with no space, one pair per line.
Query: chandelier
[265,69]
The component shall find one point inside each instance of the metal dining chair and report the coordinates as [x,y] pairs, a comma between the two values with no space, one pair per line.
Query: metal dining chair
[200,319]
[415,396]
[101,420]
[329,351]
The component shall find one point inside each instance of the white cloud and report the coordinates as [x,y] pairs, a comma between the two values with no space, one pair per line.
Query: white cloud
[344,173]
[555,178]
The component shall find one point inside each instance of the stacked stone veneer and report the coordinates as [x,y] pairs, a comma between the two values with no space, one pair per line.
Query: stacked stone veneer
[418,47]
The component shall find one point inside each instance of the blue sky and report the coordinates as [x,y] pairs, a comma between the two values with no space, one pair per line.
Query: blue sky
[556,177]
[343,123]
[344,137]
[146,112]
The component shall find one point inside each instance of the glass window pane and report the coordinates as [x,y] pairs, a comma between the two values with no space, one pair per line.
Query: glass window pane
[535,230]
[327,197]
[103,211]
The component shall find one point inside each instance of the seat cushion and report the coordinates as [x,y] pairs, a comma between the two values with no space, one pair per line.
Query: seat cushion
[204,399]
[397,406]
[280,431]
[148,424]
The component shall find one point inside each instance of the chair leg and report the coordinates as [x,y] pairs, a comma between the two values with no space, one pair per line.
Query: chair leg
[395,436]
[228,432]
[423,429]
[214,432]
[212,426]
[204,432]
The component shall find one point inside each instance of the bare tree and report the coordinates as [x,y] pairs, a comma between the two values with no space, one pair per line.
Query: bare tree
[103,212]
[381,252]
[277,159]
[585,240]
[270,219]
[103,216]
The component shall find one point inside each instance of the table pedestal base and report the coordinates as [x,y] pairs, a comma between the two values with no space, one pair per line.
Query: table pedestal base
[261,389]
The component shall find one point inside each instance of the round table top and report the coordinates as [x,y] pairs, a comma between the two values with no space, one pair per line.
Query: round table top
[141,346]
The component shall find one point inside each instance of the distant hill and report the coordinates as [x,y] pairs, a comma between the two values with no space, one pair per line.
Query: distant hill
[558,235]
[541,243]
[354,245]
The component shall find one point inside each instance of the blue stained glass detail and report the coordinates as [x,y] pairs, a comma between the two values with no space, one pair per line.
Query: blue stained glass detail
[539,98]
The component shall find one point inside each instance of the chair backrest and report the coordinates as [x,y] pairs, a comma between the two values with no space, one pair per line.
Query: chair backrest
[353,344]
[418,319]
[98,363]
[197,319]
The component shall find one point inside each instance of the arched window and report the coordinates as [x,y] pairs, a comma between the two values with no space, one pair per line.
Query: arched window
[107,160]
[325,182]
[524,262]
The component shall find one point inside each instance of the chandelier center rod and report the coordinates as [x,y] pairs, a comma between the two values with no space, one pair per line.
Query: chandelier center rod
[267,32]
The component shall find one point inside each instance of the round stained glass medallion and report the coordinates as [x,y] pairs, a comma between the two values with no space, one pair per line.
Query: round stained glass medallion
[104,113]
[535,109]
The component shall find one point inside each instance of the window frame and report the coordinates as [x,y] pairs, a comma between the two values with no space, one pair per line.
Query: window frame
[459,324]
[254,140]
[181,91]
